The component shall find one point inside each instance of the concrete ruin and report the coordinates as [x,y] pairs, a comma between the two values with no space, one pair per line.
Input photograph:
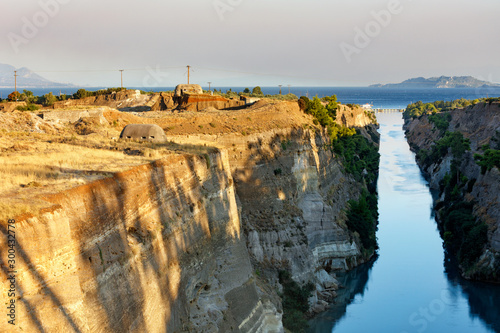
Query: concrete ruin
[145,132]
[183,89]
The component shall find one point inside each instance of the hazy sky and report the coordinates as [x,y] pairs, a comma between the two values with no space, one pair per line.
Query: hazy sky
[251,42]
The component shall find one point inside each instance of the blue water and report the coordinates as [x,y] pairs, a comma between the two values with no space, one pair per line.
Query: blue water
[379,97]
[411,287]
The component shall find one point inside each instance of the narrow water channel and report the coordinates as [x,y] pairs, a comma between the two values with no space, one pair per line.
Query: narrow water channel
[410,287]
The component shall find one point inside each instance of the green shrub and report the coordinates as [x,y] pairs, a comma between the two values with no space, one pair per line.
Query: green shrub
[81,93]
[49,99]
[490,159]
[362,218]
[463,234]
[29,107]
[295,302]
[257,91]
[360,156]
[417,109]
[451,141]
[441,121]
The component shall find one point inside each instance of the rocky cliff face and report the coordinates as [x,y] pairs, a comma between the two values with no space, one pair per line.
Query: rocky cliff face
[191,243]
[293,194]
[153,249]
[480,124]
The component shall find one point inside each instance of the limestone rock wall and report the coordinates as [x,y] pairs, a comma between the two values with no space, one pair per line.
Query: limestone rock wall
[154,249]
[481,125]
[293,194]
[190,243]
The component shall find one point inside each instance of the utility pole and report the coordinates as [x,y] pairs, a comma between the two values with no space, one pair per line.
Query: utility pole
[209,83]
[121,74]
[189,67]
[279,85]
[15,82]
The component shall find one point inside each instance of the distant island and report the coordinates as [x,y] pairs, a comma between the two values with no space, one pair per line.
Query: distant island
[25,79]
[439,82]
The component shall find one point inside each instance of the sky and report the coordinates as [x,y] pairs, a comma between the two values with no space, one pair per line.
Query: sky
[250,42]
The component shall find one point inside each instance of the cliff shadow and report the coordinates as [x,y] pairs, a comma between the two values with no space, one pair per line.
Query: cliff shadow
[31,310]
[483,297]
[149,253]
[353,283]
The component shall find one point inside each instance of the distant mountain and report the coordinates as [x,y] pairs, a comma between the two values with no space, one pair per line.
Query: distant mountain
[25,79]
[439,82]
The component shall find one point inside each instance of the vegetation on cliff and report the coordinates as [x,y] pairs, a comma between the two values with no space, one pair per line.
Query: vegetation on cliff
[464,234]
[295,302]
[362,220]
[453,142]
[419,108]
[360,158]
[490,159]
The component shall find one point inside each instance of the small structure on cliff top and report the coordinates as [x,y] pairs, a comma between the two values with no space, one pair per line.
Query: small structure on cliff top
[183,89]
[149,132]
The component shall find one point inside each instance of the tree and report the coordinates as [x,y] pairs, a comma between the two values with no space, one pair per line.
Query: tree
[246,91]
[28,97]
[303,103]
[14,96]
[332,106]
[257,91]
[49,99]
[81,93]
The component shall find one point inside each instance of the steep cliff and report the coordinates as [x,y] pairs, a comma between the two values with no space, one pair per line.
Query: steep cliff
[193,242]
[446,144]
[156,248]
[293,192]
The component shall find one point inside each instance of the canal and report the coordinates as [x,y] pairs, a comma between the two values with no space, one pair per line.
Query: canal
[411,286]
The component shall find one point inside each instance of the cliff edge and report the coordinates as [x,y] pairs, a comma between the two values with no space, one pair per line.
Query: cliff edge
[182,236]
[450,147]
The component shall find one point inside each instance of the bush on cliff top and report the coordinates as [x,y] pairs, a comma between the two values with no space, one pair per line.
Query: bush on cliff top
[419,108]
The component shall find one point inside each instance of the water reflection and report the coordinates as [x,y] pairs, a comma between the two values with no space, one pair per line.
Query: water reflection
[483,298]
[354,285]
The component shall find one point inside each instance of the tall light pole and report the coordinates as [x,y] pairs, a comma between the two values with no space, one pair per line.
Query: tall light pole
[189,67]
[209,83]
[15,84]
[121,76]
[280,85]
[15,81]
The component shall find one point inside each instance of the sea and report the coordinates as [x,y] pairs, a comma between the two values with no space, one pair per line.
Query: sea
[384,98]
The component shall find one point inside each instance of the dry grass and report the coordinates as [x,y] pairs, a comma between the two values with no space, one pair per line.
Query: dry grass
[38,157]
